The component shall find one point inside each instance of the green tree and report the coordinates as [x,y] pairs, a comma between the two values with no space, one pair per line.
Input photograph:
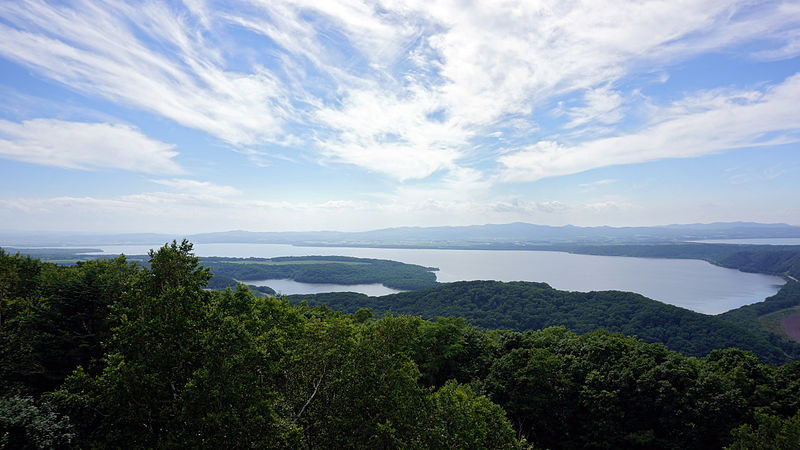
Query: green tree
[358,384]
[24,424]
[531,385]
[770,432]
[460,419]
[182,368]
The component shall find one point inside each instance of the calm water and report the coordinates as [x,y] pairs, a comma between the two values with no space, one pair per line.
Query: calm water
[692,284]
[288,287]
[760,241]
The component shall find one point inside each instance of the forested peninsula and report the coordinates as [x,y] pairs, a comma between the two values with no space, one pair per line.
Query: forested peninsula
[324,269]
[228,272]
[112,353]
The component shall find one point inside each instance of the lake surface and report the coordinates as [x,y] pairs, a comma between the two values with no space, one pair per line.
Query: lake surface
[692,284]
[289,287]
[759,241]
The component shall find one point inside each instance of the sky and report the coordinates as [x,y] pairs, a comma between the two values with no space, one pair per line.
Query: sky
[270,115]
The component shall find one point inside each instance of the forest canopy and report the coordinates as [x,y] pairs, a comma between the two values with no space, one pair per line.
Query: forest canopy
[525,306]
[110,353]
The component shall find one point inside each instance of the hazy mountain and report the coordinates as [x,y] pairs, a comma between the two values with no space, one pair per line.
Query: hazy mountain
[511,234]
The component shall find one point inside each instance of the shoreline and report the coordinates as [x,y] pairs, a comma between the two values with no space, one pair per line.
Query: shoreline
[791,326]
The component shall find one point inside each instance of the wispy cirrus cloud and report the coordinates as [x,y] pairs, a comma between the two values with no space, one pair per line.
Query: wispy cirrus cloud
[147,56]
[86,146]
[602,105]
[586,187]
[404,89]
[196,187]
[690,128]
[471,71]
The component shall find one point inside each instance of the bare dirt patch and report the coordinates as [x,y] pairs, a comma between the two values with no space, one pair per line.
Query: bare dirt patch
[791,326]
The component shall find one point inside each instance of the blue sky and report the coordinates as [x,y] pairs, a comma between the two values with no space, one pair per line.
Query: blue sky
[267,115]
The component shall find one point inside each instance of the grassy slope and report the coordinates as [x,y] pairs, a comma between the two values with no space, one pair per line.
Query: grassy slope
[759,317]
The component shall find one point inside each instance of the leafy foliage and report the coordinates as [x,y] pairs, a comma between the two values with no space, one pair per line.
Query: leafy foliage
[748,317]
[220,283]
[769,432]
[531,306]
[180,366]
[787,297]
[170,364]
[54,318]
[173,364]
[478,423]
[24,424]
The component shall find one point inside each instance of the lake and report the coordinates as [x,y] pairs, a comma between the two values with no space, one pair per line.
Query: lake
[288,287]
[691,284]
[758,241]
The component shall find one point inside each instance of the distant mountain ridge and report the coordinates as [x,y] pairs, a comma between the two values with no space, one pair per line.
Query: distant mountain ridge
[447,236]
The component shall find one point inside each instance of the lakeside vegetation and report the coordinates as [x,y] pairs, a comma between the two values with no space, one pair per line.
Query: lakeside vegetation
[109,353]
[523,306]
[759,317]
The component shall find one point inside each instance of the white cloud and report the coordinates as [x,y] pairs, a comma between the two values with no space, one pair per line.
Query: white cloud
[98,49]
[601,105]
[458,186]
[180,212]
[195,187]
[586,187]
[746,174]
[79,145]
[504,58]
[527,207]
[790,50]
[402,88]
[377,35]
[717,123]
[606,205]
[487,64]
[391,135]
[187,213]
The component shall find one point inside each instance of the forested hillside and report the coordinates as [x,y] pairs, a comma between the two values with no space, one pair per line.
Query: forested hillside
[111,354]
[753,317]
[524,306]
